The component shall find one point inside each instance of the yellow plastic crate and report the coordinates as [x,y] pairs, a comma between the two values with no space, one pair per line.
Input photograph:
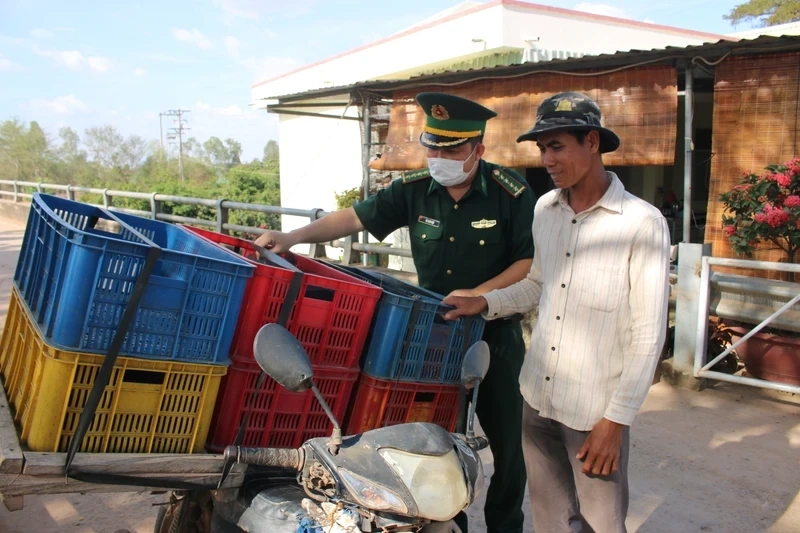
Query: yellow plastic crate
[148,406]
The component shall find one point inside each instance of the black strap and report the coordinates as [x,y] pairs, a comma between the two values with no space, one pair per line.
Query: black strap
[121,479]
[101,380]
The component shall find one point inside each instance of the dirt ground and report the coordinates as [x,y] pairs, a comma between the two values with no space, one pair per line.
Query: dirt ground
[725,460]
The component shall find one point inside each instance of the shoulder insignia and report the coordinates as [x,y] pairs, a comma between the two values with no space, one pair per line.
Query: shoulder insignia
[416,175]
[511,184]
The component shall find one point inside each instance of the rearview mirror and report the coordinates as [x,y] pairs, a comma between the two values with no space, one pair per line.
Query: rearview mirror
[475,364]
[281,356]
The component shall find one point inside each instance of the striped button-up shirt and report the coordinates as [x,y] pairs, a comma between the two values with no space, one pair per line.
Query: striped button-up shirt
[601,281]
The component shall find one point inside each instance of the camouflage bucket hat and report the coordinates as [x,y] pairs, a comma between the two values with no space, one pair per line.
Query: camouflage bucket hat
[571,111]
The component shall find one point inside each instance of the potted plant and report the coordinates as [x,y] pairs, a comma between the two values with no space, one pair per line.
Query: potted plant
[765,208]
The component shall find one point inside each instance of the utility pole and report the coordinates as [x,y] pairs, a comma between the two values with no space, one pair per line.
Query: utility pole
[177,132]
[161,132]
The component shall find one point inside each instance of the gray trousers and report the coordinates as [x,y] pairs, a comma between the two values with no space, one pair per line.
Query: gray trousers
[563,499]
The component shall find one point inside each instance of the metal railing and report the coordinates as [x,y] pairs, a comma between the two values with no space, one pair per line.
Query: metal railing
[702,369]
[220,222]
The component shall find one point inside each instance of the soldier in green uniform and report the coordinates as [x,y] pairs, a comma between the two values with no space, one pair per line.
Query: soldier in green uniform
[470,226]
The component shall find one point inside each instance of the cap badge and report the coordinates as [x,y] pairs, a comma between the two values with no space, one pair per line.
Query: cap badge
[439,112]
[565,104]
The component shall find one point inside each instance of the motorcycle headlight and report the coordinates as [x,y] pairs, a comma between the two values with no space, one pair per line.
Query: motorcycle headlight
[436,482]
[372,495]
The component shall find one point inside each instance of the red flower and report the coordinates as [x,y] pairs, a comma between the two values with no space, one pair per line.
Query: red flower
[777,217]
[783,180]
[742,187]
[792,201]
[729,230]
[760,217]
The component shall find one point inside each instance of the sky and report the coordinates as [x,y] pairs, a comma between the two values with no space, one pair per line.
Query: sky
[88,63]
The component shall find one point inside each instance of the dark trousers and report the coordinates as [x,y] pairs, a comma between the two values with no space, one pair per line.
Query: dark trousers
[499,411]
[563,499]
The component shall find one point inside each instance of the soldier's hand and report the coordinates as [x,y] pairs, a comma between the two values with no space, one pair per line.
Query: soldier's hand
[463,292]
[275,241]
[465,306]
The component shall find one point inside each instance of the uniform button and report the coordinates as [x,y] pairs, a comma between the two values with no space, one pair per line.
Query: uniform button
[455,206]
[452,239]
[423,235]
[568,254]
[563,286]
[449,272]
[482,242]
[553,348]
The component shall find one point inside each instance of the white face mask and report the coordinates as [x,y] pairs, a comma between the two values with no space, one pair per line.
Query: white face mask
[450,172]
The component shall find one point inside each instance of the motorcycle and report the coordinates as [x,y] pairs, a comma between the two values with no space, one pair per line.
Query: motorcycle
[413,477]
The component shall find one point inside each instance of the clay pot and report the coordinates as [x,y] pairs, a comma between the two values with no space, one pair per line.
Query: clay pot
[769,357]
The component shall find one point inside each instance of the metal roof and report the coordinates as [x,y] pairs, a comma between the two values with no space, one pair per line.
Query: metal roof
[709,52]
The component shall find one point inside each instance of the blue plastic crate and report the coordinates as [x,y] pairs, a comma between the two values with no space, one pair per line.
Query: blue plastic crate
[409,340]
[79,263]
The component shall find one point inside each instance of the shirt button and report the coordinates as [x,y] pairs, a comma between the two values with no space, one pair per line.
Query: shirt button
[563,286]
[547,378]
[574,221]
[452,239]
[482,242]
[568,254]
[558,318]
[553,348]
[449,272]
[423,235]
[455,206]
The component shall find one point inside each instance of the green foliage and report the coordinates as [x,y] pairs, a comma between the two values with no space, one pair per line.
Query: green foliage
[765,208]
[105,159]
[765,12]
[348,198]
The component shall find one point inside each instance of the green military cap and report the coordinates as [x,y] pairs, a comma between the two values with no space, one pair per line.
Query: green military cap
[570,111]
[451,120]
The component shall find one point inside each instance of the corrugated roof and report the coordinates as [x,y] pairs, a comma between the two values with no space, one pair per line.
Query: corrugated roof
[709,51]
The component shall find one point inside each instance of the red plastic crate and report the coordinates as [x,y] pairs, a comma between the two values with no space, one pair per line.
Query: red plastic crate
[331,315]
[380,403]
[278,418]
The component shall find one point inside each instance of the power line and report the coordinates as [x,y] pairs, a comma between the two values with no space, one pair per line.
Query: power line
[176,132]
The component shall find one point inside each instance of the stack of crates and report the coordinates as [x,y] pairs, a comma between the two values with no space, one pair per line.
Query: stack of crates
[330,316]
[77,269]
[411,367]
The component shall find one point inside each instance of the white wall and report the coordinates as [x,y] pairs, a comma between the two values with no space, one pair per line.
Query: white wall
[557,31]
[319,157]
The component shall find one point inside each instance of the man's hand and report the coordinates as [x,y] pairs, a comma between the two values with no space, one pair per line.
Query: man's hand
[275,241]
[465,306]
[601,449]
[463,292]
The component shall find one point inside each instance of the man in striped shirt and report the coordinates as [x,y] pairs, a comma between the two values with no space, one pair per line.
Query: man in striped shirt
[600,278]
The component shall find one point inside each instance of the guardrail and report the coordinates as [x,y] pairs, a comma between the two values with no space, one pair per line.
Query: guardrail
[220,223]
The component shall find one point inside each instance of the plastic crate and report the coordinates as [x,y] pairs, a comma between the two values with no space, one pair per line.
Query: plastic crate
[409,340]
[190,306]
[279,418]
[264,296]
[379,403]
[147,407]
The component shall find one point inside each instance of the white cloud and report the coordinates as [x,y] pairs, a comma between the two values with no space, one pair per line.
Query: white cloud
[232,45]
[649,21]
[62,105]
[261,67]
[168,59]
[194,36]
[7,64]
[247,9]
[100,64]
[74,60]
[139,71]
[232,110]
[40,33]
[602,9]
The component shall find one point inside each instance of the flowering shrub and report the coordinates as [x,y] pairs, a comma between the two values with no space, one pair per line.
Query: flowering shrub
[765,207]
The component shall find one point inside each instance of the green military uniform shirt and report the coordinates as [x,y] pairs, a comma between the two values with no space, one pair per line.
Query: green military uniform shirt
[457,245]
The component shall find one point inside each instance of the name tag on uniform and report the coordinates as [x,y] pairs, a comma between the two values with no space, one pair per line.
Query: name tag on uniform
[484,224]
[429,221]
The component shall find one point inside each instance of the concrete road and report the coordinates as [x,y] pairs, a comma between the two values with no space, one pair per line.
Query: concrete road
[725,460]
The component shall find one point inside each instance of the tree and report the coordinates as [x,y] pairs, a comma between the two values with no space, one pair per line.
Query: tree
[271,152]
[103,143]
[765,12]
[216,152]
[235,152]
[24,151]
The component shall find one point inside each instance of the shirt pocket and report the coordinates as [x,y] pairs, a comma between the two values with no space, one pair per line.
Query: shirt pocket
[600,286]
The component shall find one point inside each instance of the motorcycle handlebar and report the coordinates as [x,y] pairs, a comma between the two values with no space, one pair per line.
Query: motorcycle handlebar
[285,458]
[479,443]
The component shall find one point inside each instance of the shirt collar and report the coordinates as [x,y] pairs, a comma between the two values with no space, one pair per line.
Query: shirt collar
[478,184]
[611,200]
